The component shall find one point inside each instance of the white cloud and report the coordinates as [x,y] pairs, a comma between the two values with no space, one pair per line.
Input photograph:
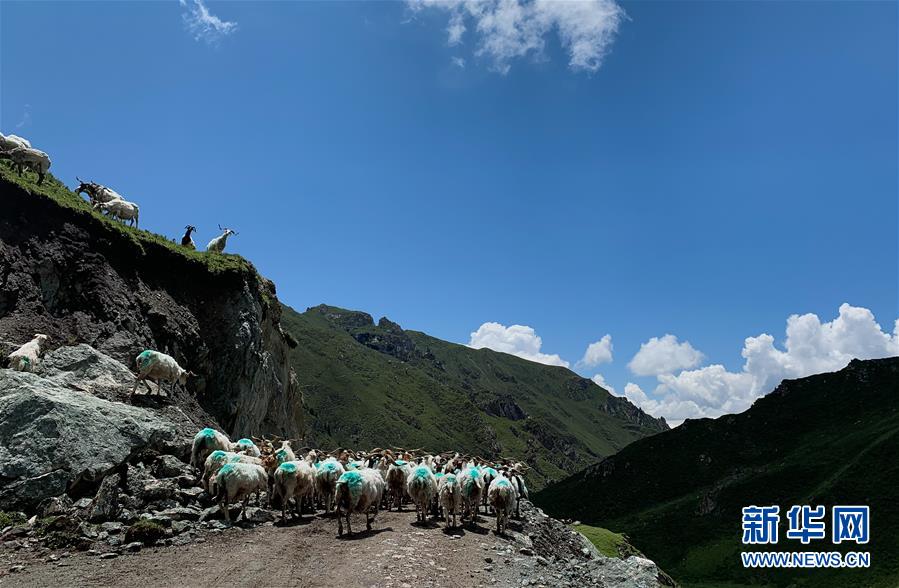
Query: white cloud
[664,356]
[509,29]
[203,25]
[810,347]
[601,382]
[458,62]
[598,353]
[517,340]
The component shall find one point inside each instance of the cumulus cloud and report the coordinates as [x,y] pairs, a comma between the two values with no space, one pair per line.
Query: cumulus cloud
[203,25]
[517,340]
[810,347]
[664,356]
[509,29]
[598,353]
[601,382]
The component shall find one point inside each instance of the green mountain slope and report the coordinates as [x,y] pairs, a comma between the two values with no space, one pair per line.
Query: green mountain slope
[368,384]
[826,439]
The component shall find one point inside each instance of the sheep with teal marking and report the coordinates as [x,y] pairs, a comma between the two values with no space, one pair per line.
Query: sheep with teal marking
[449,496]
[159,367]
[489,474]
[205,442]
[472,486]
[235,482]
[293,479]
[503,498]
[246,446]
[214,463]
[358,491]
[26,357]
[326,477]
[397,473]
[421,486]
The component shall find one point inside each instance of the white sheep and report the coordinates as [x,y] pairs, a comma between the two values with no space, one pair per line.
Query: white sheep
[449,495]
[26,157]
[160,367]
[502,497]
[421,485]
[246,446]
[326,476]
[293,479]
[358,491]
[488,473]
[121,210]
[205,442]
[235,482]
[217,245]
[26,357]
[216,460]
[472,486]
[397,474]
[10,142]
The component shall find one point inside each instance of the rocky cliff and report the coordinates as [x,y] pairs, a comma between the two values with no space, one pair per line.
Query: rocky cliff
[81,278]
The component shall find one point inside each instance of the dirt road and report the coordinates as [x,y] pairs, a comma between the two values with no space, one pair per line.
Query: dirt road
[396,553]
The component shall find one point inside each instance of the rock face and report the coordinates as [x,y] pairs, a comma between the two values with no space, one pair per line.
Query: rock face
[54,438]
[67,273]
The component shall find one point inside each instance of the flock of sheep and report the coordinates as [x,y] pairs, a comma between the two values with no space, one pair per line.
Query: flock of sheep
[443,485]
[102,198]
[440,485]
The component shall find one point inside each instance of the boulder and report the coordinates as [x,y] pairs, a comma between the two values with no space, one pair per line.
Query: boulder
[54,438]
[105,506]
[169,466]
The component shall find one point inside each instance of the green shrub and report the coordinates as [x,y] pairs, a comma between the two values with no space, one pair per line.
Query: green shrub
[146,531]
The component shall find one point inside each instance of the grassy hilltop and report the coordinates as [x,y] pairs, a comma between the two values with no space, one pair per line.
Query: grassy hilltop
[368,385]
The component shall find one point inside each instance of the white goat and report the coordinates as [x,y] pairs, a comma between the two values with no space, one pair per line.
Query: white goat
[472,485]
[247,447]
[25,358]
[160,367]
[217,245]
[421,485]
[216,460]
[358,491]
[26,157]
[326,476]
[235,482]
[449,494]
[121,210]
[205,442]
[97,193]
[10,142]
[397,474]
[502,497]
[293,479]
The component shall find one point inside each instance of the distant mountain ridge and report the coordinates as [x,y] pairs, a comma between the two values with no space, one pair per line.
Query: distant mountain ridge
[367,384]
[829,439]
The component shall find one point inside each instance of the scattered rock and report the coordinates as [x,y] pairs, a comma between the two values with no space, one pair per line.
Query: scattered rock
[108,555]
[526,551]
[169,466]
[134,546]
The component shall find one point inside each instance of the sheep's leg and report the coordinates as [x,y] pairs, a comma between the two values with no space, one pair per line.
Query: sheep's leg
[349,528]
[243,510]
[223,506]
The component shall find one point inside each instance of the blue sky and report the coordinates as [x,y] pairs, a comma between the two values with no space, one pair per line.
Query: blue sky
[727,165]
